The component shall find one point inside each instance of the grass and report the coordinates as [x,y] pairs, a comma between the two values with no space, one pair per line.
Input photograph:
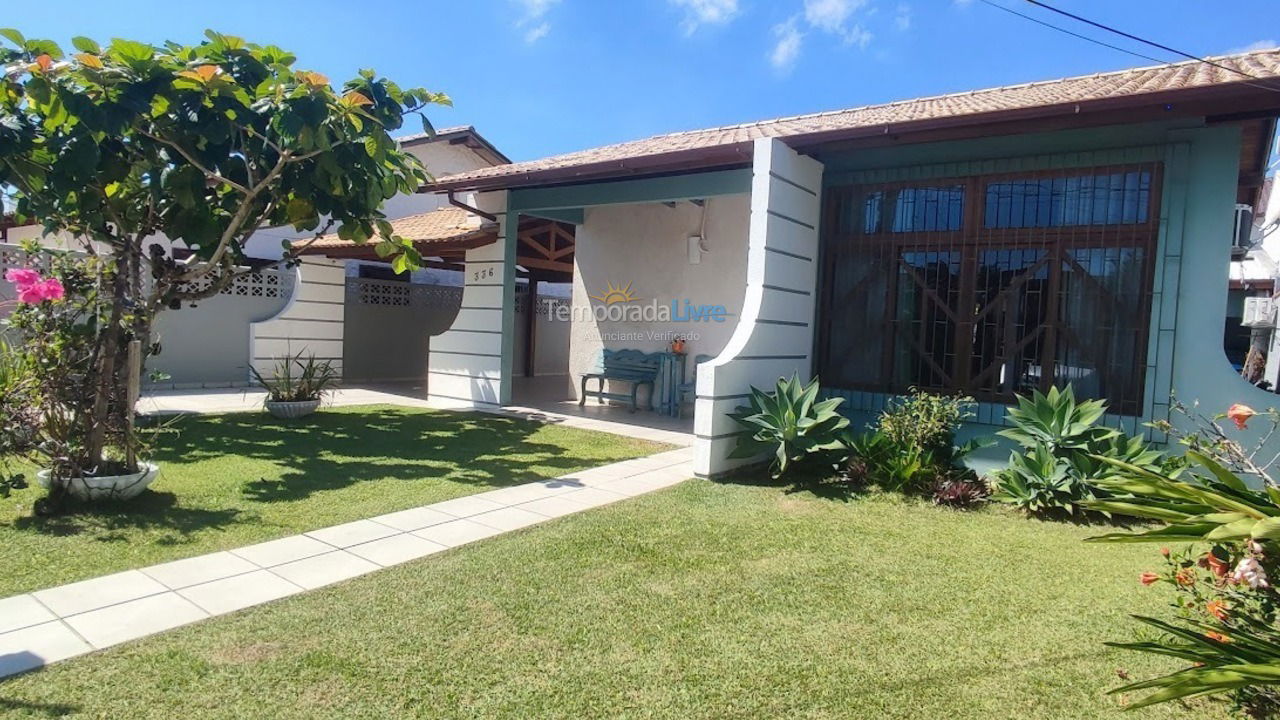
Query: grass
[235,479]
[704,600]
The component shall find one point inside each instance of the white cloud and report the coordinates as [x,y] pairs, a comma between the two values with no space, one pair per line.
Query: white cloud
[787,47]
[1251,47]
[532,18]
[705,12]
[902,19]
[833,16]
[536,33]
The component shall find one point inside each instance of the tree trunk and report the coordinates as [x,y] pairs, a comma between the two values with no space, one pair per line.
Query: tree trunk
[106,383]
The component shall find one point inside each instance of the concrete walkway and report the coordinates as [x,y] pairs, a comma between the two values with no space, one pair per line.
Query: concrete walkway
[617,421]
[62,622]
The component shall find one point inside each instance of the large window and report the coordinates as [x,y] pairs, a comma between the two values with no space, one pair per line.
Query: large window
[992,285]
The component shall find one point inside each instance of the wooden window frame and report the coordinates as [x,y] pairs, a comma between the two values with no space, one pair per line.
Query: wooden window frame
[972,238]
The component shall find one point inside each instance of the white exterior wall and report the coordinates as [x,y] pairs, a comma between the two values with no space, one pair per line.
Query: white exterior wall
[646,245]
[469,365]
[774,336]
[312,321]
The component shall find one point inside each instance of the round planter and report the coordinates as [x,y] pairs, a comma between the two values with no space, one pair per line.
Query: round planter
[290,410]
[107,487]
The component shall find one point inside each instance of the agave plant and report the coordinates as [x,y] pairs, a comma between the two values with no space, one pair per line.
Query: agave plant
[790,422]
[1038,482]
[1057,421]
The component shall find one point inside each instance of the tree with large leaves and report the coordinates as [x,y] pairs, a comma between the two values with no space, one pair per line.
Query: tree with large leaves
[128,145]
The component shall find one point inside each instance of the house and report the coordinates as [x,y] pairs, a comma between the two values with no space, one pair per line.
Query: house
[988,243]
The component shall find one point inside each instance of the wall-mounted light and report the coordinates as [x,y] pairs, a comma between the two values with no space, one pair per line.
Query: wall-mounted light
[697,246]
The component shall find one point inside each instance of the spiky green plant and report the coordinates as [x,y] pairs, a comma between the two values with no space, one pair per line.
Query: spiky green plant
[790,423]
[297,378]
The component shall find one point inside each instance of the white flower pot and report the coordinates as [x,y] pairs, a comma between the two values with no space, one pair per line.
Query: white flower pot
[107,487]
[289,410]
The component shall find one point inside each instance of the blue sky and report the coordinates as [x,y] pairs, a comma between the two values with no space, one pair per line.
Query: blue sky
[539,77]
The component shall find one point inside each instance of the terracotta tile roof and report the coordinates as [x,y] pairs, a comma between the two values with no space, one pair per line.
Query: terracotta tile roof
[438,226]
[975,105]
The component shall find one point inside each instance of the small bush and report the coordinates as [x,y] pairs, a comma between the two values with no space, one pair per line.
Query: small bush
[913,449]
[297,379]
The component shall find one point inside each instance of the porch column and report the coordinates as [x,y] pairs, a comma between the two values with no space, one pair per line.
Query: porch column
[774,337]
[470,365]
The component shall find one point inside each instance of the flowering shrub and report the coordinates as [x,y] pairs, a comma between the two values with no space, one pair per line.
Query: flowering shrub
[1225,608]
[57,316]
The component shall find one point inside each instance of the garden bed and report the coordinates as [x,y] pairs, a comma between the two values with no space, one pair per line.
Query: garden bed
[236,479]
[704,600]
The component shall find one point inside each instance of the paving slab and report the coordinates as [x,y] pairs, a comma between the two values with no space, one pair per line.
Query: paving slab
[321,570]
[134,619]
[555,506]
[413,518]
[239,592]
[201,569]
[511,518]
[99,592]
[352,533]
[466,506]
[22,611]
[396,549]
[284,550]
[458,532]
[38,645]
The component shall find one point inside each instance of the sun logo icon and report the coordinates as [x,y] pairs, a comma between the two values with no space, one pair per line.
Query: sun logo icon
[616,294]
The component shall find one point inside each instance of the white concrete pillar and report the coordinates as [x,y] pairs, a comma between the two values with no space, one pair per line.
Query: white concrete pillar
[470,364]
[774,336]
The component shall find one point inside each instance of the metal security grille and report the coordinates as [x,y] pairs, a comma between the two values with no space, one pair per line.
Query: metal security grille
[992,285]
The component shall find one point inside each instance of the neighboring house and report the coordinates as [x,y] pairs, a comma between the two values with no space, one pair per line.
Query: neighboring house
[266,316]
[988,243]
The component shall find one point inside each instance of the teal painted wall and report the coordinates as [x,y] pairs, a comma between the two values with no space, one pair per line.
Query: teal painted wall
[1185,356]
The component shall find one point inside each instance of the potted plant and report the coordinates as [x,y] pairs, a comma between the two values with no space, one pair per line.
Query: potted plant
[50,398]
[296,385]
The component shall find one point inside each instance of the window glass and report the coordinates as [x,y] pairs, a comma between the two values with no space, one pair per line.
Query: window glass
[1119,198]
[914,209]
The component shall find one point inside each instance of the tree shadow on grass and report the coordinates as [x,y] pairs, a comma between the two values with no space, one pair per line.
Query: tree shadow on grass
[37,708]
[336,449]
[108,521]
[816,481]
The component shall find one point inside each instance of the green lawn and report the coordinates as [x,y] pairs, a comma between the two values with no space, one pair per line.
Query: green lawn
[704,600]
[235,479]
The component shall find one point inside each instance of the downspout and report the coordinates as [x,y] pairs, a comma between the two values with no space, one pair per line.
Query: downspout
[473,210]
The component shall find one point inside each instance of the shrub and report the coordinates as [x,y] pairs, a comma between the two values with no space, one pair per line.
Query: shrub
[960,490]
[913,448]
[1226,609]
[790,423]
[1062,445]
[297,379]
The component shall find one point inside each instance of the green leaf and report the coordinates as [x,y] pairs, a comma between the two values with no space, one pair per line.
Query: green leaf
[14,37]
[84,44]
[427,127]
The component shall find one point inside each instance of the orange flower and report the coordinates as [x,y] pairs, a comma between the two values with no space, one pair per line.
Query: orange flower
[1217,608]
[1164,552]
[1240,414]
[1217,637]
[1148,578]
[1212,562]
[1185,576]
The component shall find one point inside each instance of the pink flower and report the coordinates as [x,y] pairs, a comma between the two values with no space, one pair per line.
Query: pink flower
[1250,572]
[31,294]
[1240,414]
[51,289]
[22,278]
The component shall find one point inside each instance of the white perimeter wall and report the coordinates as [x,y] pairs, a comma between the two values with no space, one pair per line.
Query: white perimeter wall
[647,246]
[774,336]
[312,321]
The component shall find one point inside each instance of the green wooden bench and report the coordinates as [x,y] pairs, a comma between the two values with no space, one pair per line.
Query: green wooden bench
[631,366]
